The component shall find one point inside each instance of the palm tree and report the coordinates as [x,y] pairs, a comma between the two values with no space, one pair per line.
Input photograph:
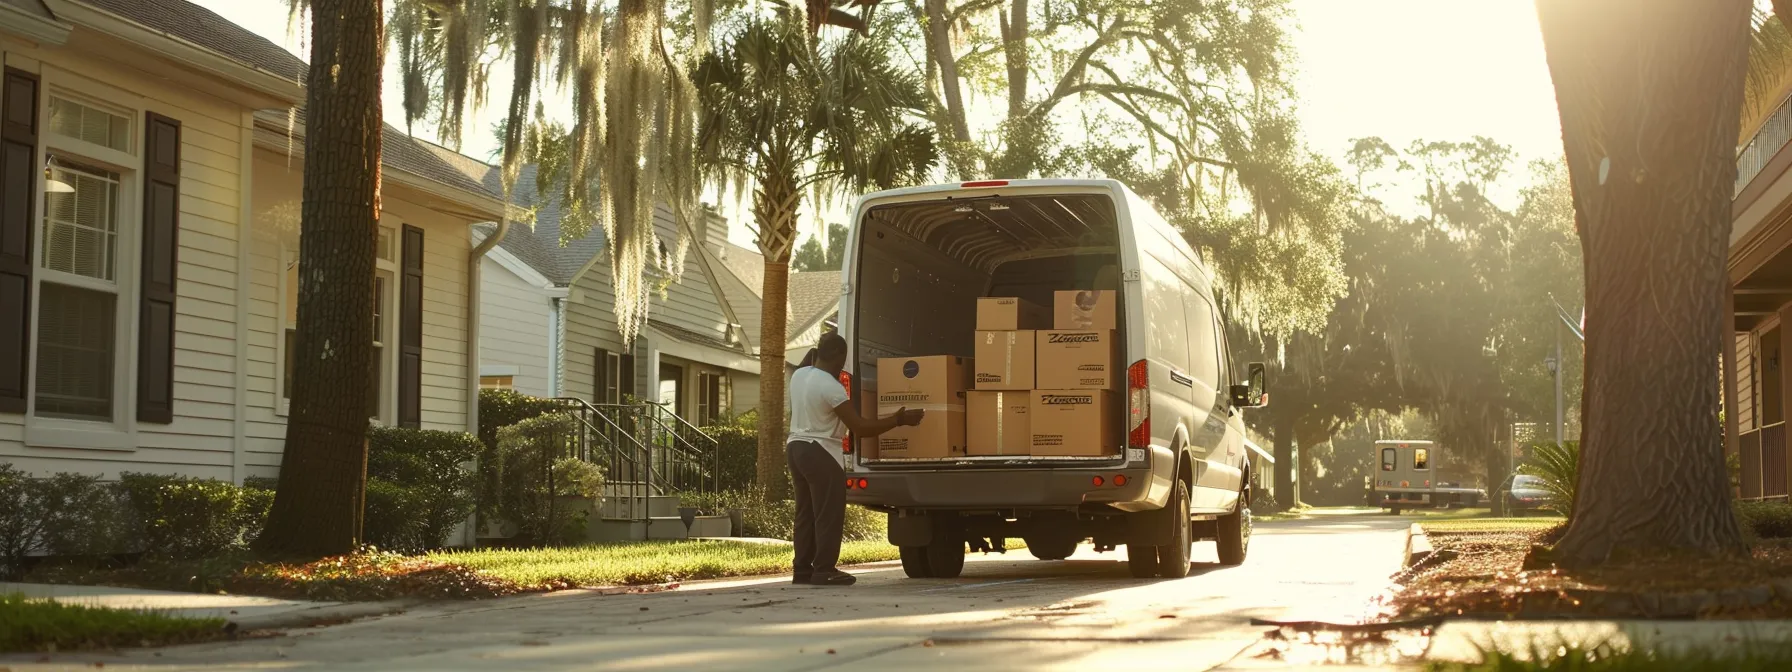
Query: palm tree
[1769,68]
[790,113]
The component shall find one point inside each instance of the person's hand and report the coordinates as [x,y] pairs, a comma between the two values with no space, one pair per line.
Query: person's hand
[908,417]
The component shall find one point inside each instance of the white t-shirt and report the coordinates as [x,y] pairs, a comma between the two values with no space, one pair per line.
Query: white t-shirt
[813,396]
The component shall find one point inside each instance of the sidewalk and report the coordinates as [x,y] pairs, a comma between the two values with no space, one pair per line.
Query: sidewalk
[246,612]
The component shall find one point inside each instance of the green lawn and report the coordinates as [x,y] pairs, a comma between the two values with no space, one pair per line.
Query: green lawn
[34,625]
[644,562]
[1602,659]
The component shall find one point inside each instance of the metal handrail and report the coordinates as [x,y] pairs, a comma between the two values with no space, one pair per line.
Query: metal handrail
[656,453]
[1774,134]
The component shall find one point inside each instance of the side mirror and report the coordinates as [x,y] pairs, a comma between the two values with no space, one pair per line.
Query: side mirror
[1251,394]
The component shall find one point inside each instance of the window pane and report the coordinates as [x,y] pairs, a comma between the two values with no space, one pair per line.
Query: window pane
[75,331]
[379,310]
[1421,459]
[1387,459]
[80,220]
[72,119]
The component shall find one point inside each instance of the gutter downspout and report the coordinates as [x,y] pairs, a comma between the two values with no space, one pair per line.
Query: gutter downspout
[474,259]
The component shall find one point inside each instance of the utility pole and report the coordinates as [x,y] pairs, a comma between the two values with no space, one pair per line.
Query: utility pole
[1558,371]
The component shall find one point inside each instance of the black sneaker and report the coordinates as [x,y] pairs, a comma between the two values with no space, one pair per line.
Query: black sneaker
[833,578]
[799,579]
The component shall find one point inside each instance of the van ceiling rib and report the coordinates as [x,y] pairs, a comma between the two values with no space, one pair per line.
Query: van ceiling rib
[998,228]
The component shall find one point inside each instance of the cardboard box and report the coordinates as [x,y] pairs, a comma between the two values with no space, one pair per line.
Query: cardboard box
[1085,309]
[998,423]
[1004,313]
[1078,360]
[1004,360]
[1076,423]
[935,385]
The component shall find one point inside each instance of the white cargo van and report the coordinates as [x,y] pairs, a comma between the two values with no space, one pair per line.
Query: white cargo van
[916,262]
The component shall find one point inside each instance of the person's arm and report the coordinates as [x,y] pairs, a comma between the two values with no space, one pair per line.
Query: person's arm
[866,428]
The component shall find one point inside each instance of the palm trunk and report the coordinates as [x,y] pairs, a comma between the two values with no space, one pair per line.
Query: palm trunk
[317,507]
[1650,93]
[774,209]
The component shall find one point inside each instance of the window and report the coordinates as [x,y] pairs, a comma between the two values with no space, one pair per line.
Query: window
[613,377]
[1421,459]
[1388,460]
[711,396]
[85,273]
[384,282]
[496,382]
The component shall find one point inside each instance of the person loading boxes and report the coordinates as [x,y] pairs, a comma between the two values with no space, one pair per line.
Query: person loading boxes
[820,415]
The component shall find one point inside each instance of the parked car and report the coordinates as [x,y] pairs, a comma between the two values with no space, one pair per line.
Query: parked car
[1522,493]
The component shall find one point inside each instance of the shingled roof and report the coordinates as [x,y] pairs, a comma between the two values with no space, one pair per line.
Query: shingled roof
[812,296]
[198,25]
[397,150]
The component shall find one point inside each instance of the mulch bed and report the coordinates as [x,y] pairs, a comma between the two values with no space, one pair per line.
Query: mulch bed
[1482,574]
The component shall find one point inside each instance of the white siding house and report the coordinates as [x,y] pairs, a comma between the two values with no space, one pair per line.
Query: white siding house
[148,241]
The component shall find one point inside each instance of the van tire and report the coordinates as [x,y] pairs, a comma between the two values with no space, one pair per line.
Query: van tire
[914,562]
[1173,558]
[1052,548]
[1234,538]
[945,555]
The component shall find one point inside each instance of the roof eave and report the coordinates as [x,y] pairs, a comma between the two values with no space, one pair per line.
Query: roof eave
[471,206]
[269,89]
[43,31]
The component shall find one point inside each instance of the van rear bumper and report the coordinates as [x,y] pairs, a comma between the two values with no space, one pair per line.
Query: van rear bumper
[1029,489]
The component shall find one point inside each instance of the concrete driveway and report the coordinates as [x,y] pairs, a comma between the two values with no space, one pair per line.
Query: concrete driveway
[1005,612]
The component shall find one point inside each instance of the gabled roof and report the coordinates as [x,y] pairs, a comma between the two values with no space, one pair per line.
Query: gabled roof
[534,237]
[812,296]
[397,151]
[199,26]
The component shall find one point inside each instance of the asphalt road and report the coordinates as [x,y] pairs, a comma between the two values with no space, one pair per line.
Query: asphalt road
[1005,612]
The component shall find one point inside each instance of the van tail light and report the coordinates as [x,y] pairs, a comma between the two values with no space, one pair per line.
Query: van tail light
[984,183]
[1138,402]
[846,443]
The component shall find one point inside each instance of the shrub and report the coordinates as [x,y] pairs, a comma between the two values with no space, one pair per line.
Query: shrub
[21,519]
[737,444]
[499,409]
[529,452]
[418,486]
[1558,465]
[186,518]
[778,520]
[1766,520]
[84,517]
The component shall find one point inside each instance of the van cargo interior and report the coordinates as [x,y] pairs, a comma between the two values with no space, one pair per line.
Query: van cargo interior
[922,266]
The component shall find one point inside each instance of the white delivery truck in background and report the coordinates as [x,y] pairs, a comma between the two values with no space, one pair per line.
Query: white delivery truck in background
[1409,476]
[1170,469]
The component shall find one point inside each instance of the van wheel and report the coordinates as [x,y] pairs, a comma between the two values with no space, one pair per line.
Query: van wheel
[914,562]
[1172,558]
[1234,538]
[1395,511]
[945,556]
[1051,548]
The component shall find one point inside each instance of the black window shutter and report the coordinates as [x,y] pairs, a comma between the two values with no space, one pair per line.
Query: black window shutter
[410,332]
[625,383]
[18,199]
[600,383]
[161,257]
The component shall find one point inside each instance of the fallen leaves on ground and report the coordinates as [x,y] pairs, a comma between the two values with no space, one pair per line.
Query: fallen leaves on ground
[1482,573]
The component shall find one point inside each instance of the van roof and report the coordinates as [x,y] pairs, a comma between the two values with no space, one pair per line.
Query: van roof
[979,185]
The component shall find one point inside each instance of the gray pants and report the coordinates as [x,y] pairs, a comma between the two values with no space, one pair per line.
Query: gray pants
[820,488]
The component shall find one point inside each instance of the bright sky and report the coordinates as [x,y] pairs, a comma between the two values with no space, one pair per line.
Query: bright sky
[1400,69]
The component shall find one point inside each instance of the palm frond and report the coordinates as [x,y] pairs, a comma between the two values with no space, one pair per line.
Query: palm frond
[1769,72]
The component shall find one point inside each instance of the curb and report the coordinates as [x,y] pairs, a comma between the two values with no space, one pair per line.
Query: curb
[1418,545]
[318,616]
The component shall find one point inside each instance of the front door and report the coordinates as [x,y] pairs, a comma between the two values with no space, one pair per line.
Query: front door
[671,392]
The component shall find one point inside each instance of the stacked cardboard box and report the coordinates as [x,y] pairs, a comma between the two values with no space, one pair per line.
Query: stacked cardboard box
[935,385]
[1045,391]
[1042,382]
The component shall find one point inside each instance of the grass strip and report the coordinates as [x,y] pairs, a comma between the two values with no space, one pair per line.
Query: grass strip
[47,625]
[1601,659]
[1529,524]
[643,562]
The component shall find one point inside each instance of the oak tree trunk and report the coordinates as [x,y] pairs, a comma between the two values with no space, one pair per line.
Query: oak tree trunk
[939,42]
[774,209]
[1286,463]
[1650,94]
[317,507]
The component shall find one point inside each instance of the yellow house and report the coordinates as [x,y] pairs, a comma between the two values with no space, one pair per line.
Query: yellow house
[151,165]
